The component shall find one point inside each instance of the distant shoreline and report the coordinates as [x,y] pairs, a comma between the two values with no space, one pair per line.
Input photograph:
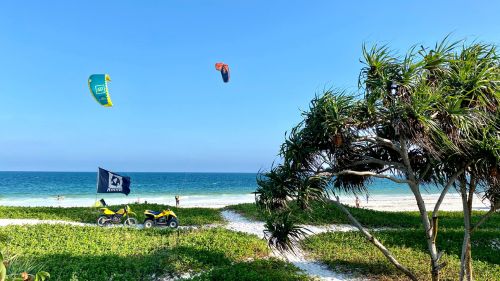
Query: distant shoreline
[133,172]
[452,201]
[214,190]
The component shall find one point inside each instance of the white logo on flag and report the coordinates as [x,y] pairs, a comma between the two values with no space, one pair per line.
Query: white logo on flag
[115,183]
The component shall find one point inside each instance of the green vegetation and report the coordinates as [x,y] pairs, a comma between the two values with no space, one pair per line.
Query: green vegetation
[187,216]
[430,116]
[349,252]
[265,270]
[329,213]
[85,252]
[12,270]
[93,253]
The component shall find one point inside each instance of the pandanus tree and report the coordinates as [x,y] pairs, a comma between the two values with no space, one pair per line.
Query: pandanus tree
[473,84]
[408,123]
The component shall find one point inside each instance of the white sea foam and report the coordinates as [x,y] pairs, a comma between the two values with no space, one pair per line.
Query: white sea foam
[388,202]
[211,201]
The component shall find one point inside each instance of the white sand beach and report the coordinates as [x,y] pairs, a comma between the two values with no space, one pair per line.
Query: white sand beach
[452,201]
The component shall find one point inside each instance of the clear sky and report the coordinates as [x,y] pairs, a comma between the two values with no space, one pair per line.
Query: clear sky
[171,110]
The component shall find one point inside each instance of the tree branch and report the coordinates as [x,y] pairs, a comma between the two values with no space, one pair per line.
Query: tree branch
[380,141]
[445,190]
[406,159]
[424,174]
[370,174]
[371,160]
[374,241]
[483,219]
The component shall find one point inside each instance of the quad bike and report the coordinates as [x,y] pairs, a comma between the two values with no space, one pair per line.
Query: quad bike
[108,216]
[166,217]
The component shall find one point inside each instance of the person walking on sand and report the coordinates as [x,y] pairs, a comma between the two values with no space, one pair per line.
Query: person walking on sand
[177,201]
[357,202]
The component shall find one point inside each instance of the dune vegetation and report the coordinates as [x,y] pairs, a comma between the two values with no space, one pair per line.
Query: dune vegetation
[187,216]
[80,253]
[350,252]
[93,253]
[401,232]
[325,213]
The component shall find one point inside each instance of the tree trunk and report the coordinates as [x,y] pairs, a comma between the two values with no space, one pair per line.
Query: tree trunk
[463,194]
[469,260]
[435,213]
[375,241]
[467,199]
[468,254]
[463,257]
[429,233]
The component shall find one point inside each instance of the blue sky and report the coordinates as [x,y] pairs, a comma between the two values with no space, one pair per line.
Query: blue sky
[171,110]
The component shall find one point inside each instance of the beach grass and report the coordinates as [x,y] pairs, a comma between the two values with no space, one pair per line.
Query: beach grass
[93,253]
[218,254]
[328,213]
[350,252]
[187,216]
[265,270]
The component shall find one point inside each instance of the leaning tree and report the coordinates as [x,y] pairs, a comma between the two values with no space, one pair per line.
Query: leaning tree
[403,128]
[473,89]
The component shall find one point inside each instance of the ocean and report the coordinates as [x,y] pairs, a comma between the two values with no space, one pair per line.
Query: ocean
[194,189]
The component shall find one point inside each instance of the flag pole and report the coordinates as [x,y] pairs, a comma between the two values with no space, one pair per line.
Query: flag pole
[96,186]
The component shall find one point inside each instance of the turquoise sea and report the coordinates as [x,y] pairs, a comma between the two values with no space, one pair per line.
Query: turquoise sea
[78,188]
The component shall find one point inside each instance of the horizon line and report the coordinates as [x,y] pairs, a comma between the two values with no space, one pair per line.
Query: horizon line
[191,172]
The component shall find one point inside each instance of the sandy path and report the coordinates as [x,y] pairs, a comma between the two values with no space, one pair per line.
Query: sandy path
[313,268]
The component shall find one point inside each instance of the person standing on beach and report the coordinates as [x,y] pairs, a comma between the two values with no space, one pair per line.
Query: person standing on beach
[357,202]
[177,200]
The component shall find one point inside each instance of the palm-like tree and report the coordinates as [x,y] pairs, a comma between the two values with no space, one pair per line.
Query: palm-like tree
[416,116]
[473,89]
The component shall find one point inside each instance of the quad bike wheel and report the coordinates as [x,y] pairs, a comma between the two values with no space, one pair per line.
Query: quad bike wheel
[173,223]
[130,221]
[148,223]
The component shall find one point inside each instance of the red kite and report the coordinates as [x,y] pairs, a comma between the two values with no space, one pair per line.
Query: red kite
[224,71]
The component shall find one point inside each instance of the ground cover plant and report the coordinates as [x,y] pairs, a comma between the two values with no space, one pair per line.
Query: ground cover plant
[265,270]
[11,271]
[329,213]
[349,252]
[93,253]
[187,216]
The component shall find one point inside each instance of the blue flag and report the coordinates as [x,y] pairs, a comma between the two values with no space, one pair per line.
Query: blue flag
[109,182]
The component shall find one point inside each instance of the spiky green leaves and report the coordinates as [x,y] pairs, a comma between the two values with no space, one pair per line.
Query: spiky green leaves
[422,117]
[282,233]
[3,269]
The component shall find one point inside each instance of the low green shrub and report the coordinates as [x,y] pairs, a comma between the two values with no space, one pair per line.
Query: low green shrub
[264,270]
[93,253]
[187,216]
[350,252]
[328,213]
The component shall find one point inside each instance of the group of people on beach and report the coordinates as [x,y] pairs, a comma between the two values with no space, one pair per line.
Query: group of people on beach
[358,202]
